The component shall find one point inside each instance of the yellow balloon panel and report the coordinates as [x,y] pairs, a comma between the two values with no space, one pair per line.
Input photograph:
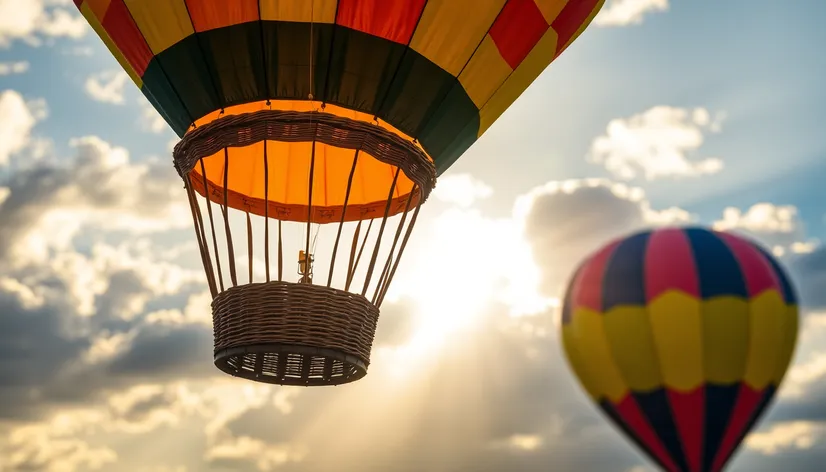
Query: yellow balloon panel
[677,328]
[589,338]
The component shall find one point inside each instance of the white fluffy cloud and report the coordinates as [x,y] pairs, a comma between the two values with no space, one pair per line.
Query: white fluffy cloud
[778,226]
[658,142]
[107,87]
[33,20]
[70,440]
[17,119]
[628,12]
[785,436]
[461,189]
[46,207]
[9,68]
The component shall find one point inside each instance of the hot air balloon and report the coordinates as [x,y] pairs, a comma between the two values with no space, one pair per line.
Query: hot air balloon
[321,113]
[682,337]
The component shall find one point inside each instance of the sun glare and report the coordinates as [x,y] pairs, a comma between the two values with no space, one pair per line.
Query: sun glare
[469,262]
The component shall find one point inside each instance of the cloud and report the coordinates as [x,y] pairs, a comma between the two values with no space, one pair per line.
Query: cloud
[777,226]
[9,68]
[107,87]
[244,449]
[809,272]
[628,12]
[139,412]
[151,120]
[115,339]
[565,221]
[83,51]
[461,189]
[50,204]
[76,314]
[657,143]
[33,20]
[792,435]
[17,119]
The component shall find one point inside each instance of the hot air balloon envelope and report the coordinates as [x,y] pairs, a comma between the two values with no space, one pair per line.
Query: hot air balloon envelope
[317,112]
[682,336]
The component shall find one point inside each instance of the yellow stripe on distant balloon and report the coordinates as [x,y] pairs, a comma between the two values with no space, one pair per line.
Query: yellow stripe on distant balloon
[677,328]
[790,327]
[725,339]
[587,333]
[632,346]
[766,322]
[579,363]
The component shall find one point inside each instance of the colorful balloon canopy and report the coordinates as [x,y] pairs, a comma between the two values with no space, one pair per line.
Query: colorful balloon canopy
[438,71]
[682,336]
[319,112]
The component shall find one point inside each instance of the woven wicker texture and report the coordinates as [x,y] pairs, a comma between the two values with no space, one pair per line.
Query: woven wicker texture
[293,334]
[303,333]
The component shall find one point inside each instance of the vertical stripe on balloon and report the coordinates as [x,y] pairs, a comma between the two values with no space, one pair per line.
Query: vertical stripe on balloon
[657,410]
[669,264]
[689,410]
[588,286]
[757,272]
[625,271]
[718,269]
[744,409]
[627,413]
[789,295]
[720,401]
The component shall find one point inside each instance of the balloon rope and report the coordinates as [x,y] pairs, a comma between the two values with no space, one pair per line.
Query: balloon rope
[307,263]
[381,232]
[201,236]
[280,253]
[312,20]
[350,263]
[212,226]
[343,213]
[385,272]
[266,213]
[399,256]
[225,208]
[249,244]
[354,266]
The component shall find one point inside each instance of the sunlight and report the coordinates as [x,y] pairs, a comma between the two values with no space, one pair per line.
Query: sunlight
[466,262]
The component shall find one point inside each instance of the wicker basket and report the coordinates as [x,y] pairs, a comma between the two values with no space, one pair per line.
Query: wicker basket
[297,333]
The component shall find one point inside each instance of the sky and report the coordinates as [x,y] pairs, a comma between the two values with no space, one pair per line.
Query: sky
[663,112]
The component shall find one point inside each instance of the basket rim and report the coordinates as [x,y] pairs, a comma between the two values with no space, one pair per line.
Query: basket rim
[245,129]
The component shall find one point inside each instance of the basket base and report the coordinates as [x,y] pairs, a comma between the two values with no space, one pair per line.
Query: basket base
[290,364]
